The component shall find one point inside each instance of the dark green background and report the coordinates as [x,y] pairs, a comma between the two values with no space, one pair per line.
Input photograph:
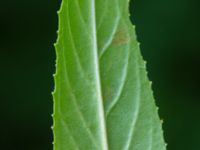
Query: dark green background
[169,31]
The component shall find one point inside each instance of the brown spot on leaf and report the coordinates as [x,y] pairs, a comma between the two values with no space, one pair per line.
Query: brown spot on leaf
[121,37]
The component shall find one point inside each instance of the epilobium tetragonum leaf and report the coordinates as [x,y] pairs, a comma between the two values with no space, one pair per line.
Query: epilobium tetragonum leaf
[102,99]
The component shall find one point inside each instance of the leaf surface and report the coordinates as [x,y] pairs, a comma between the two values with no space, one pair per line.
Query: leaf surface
[102,99]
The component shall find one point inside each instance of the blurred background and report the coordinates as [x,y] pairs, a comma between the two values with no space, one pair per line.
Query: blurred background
[169,32]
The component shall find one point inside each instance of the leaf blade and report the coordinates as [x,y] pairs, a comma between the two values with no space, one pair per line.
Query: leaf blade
[102,96]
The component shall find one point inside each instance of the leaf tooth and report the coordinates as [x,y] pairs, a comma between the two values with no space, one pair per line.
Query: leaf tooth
[166,144]
[55,75]
[138,43]
[58,12]
[55,44]
[145,62]
[161,121]
[53,93]
[52,115]
[150,84]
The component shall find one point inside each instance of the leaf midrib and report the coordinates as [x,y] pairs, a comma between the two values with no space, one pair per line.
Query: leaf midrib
[102,120]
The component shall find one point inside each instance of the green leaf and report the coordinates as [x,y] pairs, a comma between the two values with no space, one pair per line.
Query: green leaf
[102,99]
